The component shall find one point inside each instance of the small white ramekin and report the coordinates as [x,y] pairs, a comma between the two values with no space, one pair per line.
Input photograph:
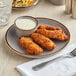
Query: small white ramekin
[21,32]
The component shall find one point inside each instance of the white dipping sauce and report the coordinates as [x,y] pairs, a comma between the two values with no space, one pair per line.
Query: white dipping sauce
[25,24]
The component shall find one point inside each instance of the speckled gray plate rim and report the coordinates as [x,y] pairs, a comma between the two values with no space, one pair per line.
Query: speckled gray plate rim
[12,40]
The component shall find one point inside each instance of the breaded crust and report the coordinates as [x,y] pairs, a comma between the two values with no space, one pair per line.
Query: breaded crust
[49,27]
[55,34]
[30,46]
[43,41]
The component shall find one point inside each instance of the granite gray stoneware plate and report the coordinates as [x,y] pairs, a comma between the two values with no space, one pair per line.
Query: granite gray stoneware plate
[12,40]
[35,3]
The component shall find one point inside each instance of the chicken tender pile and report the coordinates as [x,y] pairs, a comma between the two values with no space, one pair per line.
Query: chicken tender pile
[30,47]
[41,39]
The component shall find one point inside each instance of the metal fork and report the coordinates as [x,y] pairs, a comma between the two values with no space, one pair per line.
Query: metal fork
[42,65]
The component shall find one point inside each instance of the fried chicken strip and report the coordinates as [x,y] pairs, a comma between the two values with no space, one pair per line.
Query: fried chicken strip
[49,27]
[30,46]
[43,41]
[55,34]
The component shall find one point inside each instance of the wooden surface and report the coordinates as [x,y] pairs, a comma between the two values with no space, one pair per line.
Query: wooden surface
[9,60]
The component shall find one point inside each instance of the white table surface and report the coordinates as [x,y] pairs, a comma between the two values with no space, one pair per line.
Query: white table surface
[9,60]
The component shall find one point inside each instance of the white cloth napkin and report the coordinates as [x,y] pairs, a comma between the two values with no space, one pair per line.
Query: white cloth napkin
[65,67]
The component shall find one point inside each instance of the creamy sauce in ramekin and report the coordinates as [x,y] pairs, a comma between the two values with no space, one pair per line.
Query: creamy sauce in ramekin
[25,24]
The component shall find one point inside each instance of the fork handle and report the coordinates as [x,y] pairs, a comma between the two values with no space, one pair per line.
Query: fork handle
[42,65]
